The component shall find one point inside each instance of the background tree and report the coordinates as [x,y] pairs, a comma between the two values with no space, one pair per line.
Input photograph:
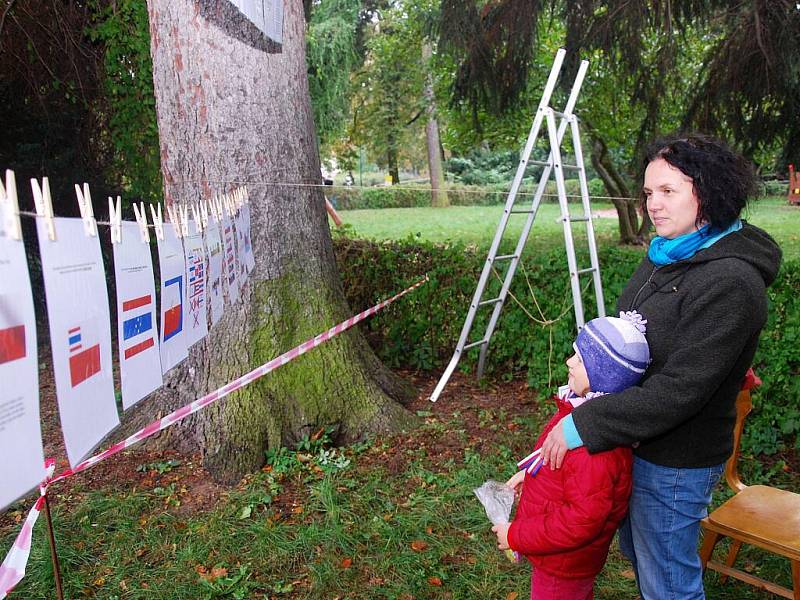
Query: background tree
[389,92]
[228,111]
[745,85]
[51,104]
[334,50]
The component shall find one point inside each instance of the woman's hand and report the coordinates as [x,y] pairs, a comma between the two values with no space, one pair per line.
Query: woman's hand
[516,481]
[502,535]
[555,447]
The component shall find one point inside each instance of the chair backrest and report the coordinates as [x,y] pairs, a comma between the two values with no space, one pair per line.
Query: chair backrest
[744,404]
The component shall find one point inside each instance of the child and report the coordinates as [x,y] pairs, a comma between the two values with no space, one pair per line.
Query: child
[566,518]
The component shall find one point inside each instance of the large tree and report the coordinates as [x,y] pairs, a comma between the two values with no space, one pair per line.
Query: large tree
[232,108]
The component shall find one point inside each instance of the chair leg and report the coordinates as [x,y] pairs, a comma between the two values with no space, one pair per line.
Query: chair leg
[731,558]
[796,579]
[710,539]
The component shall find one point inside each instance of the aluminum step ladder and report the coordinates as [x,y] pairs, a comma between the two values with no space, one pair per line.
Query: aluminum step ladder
[554,165]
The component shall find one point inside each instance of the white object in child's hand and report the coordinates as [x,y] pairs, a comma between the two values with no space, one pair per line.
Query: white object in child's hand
[497,499]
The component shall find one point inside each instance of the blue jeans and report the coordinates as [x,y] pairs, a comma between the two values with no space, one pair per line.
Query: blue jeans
[659,535]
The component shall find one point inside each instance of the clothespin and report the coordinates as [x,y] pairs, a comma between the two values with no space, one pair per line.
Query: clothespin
[197,216]
[141,220]
[87,210]
[175,219]
[115,218]
[204,212]
[44,205]
[183,217]
[221,212]
[158,221]
[8,194]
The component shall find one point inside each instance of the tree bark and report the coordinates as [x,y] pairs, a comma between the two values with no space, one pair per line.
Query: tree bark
[617,188]
[438,192]
[231,113]
[391,161]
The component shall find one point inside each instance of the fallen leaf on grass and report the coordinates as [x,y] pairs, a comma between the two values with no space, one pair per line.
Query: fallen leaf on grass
[512,596]
[628,574]
[434,581]
[419,545]
[100,581]
[346,562]
[211,577]
[297,510]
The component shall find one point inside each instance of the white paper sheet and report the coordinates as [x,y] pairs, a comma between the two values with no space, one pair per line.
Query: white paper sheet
[20,435]
[229,264]
[250,258]
[196,281]
[139,358]
[216,298]
[241,252]
[80,335]
[173,299]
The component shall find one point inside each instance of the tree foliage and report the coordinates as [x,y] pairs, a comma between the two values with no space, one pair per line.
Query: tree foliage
[747,89]
[389,102]
[127,79]
[332,54]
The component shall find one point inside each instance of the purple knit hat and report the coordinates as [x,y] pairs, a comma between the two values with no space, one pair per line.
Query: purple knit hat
[614,351]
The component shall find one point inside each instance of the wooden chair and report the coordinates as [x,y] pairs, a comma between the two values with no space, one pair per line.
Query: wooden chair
[760,515]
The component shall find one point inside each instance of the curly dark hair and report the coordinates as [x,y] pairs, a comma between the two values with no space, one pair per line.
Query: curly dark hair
[723,180]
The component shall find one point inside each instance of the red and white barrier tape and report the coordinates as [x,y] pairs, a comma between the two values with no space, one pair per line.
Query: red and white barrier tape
[13,567]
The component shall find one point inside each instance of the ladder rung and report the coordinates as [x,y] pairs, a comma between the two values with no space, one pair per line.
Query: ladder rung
[492,301]
[521,212]
[505,256]
[473,344]
[574,219]
[560,114]
[574,167]
[541,163]
[587,270]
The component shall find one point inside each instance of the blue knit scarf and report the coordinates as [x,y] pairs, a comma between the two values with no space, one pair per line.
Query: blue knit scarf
[664,251]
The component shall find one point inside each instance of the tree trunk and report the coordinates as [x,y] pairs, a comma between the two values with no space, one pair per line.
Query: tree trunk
[230,112]
[438,192]
[617,188]
[391,161]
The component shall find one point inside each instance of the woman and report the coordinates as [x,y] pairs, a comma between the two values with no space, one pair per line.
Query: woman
[702,289]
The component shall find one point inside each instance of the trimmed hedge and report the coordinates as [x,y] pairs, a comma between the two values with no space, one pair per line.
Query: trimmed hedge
[421,331]
[400,196]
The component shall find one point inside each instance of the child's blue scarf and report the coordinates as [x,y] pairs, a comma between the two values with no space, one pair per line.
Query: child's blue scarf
[664,251]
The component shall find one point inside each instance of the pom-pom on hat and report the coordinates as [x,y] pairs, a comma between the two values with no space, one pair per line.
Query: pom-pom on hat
[614,351]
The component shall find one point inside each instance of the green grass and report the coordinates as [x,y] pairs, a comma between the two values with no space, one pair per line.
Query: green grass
[365,530]
[477,224]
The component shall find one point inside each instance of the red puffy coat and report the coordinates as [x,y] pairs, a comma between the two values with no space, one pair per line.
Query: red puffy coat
[566,518]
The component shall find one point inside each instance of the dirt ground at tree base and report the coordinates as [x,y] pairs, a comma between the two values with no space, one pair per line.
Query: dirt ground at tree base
[141,469]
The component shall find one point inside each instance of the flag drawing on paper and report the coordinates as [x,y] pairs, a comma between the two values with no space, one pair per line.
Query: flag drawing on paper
[84,354]
[173,300]
[12,343]
[197,287]
[137,325]
[230,250]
